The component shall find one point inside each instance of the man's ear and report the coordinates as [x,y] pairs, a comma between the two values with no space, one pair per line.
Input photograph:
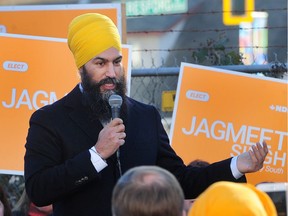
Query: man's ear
[80,70]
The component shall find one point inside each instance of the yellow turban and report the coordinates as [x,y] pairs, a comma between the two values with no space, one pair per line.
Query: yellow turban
[91,34]
[229,198]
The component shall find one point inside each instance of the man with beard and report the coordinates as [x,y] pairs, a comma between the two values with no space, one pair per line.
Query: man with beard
[71,158]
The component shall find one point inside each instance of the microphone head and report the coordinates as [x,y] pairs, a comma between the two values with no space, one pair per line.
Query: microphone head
[115,101]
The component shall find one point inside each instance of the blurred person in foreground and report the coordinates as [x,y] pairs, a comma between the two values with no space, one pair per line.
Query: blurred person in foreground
[5,208]
[24,207]
[229,198]
[199,163]
[148,191]
[75,153]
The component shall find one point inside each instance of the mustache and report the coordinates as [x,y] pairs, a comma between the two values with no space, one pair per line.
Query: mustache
[108,80]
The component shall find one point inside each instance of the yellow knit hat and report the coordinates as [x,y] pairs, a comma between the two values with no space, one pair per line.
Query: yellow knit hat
[91,34]
[229,198]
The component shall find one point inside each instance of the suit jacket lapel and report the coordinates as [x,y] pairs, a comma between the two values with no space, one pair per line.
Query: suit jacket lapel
[79,114]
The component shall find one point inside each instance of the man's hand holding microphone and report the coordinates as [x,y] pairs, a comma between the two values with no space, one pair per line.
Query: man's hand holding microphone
[112,136]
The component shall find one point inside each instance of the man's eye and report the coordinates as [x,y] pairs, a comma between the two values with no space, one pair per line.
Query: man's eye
[117,62]
[100,63]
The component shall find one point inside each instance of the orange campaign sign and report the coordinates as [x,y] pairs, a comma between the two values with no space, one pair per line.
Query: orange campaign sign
[35,71]
[51,20]
[219,114]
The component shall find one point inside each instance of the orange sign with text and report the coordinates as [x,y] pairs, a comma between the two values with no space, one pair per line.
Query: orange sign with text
[51,20]
[220,114]
[35,71]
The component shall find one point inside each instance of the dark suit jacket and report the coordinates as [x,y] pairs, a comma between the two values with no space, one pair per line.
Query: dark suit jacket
[58,169]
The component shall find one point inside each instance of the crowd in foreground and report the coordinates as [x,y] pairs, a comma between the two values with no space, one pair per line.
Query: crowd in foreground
[151,190]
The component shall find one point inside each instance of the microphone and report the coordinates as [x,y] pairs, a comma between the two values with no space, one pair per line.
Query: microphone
[115,102]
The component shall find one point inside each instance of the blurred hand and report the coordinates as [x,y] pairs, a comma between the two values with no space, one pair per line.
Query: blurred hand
[253,160]
[46,209]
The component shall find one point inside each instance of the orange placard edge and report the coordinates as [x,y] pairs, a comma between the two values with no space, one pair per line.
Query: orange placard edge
[116,6]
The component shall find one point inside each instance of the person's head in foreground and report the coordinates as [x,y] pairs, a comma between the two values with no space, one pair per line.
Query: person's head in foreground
[95,43]
[229,198]
[147,191]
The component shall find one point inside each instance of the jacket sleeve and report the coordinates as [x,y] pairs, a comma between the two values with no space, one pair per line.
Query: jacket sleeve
[47,175]
[193,180]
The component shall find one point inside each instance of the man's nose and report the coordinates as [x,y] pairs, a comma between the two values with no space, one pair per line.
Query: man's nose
[110,70]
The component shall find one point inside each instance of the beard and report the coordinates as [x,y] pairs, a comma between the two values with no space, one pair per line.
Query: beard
[97,101]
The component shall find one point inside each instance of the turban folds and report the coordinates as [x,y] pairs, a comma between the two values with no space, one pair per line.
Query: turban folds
[229,198]
[91,34]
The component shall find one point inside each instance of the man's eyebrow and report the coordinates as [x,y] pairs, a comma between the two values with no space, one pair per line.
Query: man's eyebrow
[118,58]
[100,58]
[104,59]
